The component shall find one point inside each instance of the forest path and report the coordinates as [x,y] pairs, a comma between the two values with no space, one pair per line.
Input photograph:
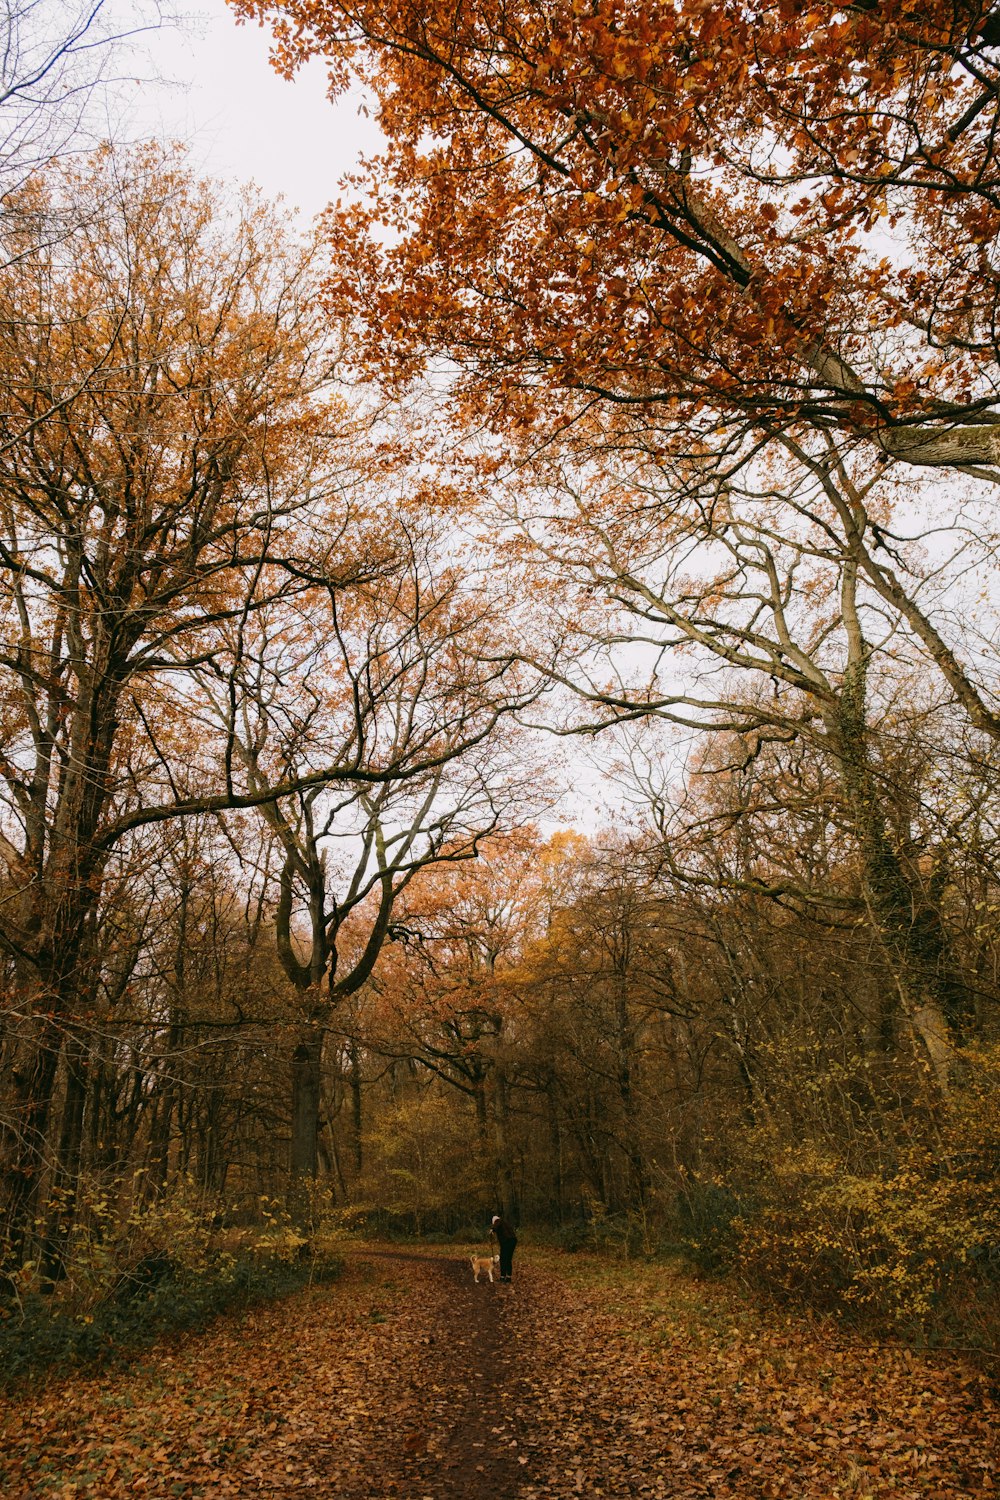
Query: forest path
[405,1379]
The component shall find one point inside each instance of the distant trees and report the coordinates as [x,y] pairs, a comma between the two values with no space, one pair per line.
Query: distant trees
[449,997]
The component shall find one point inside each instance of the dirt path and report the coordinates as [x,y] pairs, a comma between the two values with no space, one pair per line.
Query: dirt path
[407,1381]
[439,1424]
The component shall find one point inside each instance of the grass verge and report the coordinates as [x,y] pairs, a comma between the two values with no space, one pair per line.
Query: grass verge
[35,1336]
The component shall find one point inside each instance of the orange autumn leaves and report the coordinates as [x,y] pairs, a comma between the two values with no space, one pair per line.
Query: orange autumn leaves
[773,212]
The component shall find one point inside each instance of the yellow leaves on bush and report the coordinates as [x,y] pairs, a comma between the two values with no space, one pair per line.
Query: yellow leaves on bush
[896,1239]
[882,1246]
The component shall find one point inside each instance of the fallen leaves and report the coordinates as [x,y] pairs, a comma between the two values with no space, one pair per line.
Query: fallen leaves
[406,1379]
[678,1405]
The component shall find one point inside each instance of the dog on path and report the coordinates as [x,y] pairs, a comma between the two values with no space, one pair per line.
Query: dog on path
[484,1263]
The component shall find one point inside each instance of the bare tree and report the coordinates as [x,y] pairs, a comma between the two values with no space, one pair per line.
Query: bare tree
[761,606]
[56,59]
[401,680]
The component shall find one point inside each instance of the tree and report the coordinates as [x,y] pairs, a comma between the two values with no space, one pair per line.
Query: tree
[753,613]
[784,216]
[159,437]
[785,220]
[55,59]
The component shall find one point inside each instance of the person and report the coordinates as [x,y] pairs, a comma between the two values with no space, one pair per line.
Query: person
[506,1238]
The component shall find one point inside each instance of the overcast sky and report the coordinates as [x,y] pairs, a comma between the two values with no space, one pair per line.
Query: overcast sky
[242,121]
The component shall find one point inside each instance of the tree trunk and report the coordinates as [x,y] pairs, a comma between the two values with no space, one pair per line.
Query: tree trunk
[355,1077]
[556,1146]
[212,1164]
[66,1177]
[34,1085]
[637,1188]
[164,1108]
[506,1186]
[932,1000]
[307,1061]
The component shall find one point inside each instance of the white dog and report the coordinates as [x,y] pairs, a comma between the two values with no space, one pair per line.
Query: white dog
[484,1263]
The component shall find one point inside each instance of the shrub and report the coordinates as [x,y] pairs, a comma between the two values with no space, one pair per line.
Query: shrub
[908,1237]
[887,1245]
[707,1213]
[573,1237]
[129,1278]
[41,1332]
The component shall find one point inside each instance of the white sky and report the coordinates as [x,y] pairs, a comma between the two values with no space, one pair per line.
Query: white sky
[242,122]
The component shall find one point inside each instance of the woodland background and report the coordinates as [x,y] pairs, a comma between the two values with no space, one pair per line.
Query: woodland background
[630,420]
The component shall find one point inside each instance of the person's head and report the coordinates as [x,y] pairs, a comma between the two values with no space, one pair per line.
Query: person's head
[496,1218]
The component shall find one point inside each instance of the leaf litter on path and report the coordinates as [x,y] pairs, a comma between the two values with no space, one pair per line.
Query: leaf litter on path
[406,1379]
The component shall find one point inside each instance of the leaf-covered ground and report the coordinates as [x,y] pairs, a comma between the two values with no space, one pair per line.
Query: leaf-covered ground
[585,1379]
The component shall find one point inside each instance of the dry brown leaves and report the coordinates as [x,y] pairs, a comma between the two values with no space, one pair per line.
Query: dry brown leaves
[660,1386]
[406,1379]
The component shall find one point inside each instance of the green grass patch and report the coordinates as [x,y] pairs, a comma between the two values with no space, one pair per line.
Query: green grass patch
[658,1299]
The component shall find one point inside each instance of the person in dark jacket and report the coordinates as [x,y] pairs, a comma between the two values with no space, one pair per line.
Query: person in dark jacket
[506,1238]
